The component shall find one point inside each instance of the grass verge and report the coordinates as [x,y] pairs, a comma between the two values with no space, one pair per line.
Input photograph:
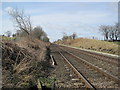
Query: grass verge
[92,44]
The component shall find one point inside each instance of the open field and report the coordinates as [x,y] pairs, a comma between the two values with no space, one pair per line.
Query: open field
[6,38]
[92,44]
[118,43]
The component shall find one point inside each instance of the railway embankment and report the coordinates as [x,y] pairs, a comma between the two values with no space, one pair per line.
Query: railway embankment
[92,44]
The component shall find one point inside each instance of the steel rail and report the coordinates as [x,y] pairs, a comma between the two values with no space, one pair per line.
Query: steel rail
[95,67]
[87,83]
[97,55]
[100,57]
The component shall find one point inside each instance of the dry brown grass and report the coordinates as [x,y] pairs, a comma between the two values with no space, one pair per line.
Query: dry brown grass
[98,45]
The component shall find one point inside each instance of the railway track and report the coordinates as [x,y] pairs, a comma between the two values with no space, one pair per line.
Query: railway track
[84,80]
[76,79]
[96,76]
[105,58]
[101,63]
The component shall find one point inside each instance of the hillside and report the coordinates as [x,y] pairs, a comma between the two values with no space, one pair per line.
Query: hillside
[24,61]
[92,44]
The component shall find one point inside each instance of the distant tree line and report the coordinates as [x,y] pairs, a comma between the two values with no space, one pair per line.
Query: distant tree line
[110,33]
[8,33]
[65,36]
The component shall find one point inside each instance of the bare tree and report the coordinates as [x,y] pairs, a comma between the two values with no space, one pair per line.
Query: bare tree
[8,33]
[117,31]
[111,33]
[105,31]
[74,35]
[13,35]
[65,36]
[23,22]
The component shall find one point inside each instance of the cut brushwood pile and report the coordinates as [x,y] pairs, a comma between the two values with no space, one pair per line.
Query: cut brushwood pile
[23,62]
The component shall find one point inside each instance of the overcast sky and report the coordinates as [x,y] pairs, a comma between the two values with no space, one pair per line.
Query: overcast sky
[84,18]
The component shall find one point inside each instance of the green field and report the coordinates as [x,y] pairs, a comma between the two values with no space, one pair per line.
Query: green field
[118,43]
[6,38]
